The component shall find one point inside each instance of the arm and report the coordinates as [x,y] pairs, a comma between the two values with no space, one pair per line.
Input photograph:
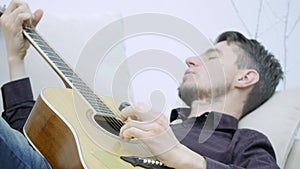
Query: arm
[17,102]
[254,150]
[251,149]
[153,130]
[13,19]
[17,94]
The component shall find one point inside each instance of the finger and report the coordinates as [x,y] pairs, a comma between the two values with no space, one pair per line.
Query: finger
[134,132]
[125,127]
[140,111]
[12,6]
[23,19]
[37,15]
[128,134]
[151,128]
[128,112]
[138,124]
[17,7]
[22,15]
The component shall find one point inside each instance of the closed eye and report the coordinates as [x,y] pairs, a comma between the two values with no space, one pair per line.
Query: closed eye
[212,53]
[212,57]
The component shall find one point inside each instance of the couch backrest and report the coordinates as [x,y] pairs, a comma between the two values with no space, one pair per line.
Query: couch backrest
[278,119]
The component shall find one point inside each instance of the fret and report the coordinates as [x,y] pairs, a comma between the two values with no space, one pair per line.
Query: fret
[78,83]
[72,77]
[92,101]
[102,109]
[44,48]
[55,59]
[62,68]
[87,93]
[60,65]
[97,103]
[34,36]
[89,96]
[38,42]
[82,87]
[51,53]
[68,74]
[74,80]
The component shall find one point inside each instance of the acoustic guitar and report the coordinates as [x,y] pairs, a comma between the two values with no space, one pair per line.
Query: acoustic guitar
[74,128]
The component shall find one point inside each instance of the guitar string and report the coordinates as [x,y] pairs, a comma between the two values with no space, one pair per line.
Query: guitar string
[57,60]
[83,89]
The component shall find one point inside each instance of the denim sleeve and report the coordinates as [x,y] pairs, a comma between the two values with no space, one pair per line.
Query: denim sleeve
[15,151]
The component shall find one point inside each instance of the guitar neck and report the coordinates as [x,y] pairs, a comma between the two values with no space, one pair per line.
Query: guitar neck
[69,77]
[52,58]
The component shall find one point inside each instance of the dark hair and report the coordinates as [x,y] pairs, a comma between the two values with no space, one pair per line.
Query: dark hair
[253,55]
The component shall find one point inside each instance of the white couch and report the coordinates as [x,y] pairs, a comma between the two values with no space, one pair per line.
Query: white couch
[279,119]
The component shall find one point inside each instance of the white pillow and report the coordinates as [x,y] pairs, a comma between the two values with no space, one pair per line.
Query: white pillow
[278,119]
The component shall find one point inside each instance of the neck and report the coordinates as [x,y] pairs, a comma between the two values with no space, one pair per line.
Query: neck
[199,107]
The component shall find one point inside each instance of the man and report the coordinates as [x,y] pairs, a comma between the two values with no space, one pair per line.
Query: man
[208,134]
[207,137]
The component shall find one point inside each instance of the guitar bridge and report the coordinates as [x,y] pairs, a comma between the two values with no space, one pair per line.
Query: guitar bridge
[148,163]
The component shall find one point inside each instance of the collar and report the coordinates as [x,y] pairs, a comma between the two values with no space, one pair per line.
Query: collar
[213,120]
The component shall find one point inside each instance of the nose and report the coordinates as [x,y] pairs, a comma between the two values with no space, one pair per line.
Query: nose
[193,61]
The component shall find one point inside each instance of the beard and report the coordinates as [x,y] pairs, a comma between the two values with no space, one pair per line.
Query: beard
[193,91]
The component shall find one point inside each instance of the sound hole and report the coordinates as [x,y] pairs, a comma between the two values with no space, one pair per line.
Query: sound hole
[110,124]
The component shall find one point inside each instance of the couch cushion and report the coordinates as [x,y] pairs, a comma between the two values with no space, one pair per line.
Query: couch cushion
[278,119]
[293,159]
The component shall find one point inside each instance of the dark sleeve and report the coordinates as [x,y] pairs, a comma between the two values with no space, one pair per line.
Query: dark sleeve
[253,150]
[17,102]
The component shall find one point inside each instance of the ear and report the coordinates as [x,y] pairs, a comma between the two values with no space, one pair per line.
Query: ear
[246,78]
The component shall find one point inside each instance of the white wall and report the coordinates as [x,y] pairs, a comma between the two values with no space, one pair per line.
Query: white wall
[275,24]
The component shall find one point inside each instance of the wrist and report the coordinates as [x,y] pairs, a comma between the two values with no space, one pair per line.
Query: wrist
[183,157]
[15,59]
[16,68]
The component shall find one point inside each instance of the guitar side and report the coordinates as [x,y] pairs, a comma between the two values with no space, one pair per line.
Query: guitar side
[55,131]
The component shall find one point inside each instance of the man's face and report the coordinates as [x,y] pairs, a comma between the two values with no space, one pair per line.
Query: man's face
[209,76]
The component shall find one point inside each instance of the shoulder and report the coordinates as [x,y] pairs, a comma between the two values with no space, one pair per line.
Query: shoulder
[250,133]
[253,139]
[251,136]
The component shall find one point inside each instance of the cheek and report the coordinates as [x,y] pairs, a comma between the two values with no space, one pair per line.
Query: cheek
[216,75]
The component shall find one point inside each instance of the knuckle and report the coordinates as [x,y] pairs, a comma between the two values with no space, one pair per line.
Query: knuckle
[141,107]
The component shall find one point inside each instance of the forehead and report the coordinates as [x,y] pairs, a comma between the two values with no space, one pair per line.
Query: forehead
[227,50]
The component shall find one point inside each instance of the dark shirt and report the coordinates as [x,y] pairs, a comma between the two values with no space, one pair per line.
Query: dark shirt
[214,135]
[17,102]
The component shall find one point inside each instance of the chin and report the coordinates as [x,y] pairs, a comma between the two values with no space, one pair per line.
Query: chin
[188,93]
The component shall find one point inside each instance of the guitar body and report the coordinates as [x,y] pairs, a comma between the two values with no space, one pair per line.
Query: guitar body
[62,128]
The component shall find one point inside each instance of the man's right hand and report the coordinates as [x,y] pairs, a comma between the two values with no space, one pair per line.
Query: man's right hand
[16,16]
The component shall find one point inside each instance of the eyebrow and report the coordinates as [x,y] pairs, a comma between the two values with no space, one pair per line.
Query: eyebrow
[213,50]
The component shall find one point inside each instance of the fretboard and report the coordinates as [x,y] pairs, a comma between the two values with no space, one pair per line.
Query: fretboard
[64,71]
